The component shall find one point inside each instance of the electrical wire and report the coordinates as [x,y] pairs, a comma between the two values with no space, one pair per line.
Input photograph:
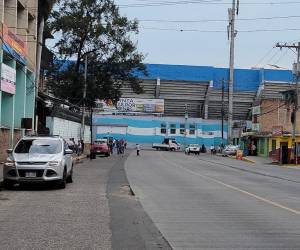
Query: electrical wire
[218,31]
[174,3]
[216,20]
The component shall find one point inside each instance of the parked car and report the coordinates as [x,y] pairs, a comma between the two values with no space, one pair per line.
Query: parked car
[230,150]
[193,148]
[39,159]
[100,147]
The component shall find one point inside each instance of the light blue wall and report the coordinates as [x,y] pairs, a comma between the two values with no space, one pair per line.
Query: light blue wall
[20,95]
[151,127]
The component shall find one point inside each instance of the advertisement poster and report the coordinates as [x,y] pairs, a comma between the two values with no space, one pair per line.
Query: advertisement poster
[8,79]
[141,105]
[131,105]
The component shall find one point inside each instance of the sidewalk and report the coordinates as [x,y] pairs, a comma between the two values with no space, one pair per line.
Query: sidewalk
[260,160]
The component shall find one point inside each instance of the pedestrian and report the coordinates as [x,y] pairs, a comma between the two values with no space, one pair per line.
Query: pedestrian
[82,146]
[212,148]
[79,148]
[125,144]
[253,149]
[118,146]
[138,148]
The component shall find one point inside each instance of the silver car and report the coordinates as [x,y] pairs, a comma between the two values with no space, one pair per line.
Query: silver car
[39,159]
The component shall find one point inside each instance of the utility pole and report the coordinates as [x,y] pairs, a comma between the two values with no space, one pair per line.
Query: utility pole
[84,99]
[296,72]
[222,113]
[232,12]
[186,116]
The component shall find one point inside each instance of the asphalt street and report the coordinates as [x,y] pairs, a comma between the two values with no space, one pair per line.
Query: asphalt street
[96,211]
[211,202]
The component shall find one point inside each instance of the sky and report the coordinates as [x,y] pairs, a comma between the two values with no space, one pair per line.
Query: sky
[163,43]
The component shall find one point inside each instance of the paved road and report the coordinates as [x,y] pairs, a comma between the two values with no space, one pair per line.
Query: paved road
[97,211]
[217,203]
[74,218]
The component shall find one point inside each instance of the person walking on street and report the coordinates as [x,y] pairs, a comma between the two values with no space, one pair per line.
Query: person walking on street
[138,148]
[79,148]
[212,149]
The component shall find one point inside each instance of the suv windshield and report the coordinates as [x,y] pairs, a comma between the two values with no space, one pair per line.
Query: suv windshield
[38,146]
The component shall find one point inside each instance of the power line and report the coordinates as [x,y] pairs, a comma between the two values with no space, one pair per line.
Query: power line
[215,20]
[219,31]
[174,3]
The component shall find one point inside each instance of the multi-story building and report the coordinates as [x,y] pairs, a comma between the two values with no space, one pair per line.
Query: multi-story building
[18,66]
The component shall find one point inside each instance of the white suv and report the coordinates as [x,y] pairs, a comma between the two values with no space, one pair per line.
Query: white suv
[39,159]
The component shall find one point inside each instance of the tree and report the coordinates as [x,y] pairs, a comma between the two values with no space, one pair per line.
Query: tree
[94,28]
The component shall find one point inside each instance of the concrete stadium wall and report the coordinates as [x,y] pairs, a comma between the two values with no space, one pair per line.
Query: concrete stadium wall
[147,129]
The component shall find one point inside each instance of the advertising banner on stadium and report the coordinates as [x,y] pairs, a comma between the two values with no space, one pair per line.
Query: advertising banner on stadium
[141,105]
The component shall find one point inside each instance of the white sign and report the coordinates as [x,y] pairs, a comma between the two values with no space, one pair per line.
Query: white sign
[141,105]
[255,126]
[256,110]
[8,79]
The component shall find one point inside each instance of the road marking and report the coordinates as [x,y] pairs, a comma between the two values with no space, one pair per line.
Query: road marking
[275,204]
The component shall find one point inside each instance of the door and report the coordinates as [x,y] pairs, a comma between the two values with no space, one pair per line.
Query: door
[284,153]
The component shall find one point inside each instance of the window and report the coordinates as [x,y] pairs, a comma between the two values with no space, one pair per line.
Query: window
[192,129]
[163,128]
[39,146]
[173,129]
[182,129]
[273,147]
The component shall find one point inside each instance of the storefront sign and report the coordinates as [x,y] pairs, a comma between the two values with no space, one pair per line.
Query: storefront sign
[8,79]
[256,110]
[141,105]
[14,41]
[14,45]
[277,130]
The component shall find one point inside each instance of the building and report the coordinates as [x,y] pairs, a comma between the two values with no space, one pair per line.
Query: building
[191,99]
[271,124]
[18,66]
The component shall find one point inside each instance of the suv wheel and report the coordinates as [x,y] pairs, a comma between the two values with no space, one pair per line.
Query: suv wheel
[70,177]
[63,182]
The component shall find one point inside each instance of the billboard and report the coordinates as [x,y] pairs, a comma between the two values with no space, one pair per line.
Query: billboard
[8,79]
[139,105]
[131,105]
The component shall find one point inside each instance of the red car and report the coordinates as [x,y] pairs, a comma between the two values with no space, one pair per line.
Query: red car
[100,147]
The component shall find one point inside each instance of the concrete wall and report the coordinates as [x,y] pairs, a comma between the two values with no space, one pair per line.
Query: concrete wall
[147,129]
[67,129]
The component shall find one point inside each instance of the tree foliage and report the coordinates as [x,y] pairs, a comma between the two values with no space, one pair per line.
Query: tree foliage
[94,28]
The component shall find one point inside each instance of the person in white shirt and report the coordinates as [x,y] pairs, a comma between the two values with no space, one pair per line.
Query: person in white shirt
[138,148]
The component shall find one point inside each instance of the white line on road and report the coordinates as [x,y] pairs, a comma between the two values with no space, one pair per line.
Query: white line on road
[275,204]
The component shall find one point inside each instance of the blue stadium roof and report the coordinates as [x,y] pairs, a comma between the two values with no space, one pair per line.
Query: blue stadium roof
[245,79]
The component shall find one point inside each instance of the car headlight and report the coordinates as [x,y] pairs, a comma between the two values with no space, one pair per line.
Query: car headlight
[10,164]
[53,163]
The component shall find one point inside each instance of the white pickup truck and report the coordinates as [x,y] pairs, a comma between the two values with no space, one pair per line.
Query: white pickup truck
[168,144]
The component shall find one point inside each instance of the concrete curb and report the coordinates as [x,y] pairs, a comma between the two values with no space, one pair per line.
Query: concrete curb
[79,158]
[243,159]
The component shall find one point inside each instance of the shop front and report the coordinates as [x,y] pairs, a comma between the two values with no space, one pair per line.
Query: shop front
[282,150]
